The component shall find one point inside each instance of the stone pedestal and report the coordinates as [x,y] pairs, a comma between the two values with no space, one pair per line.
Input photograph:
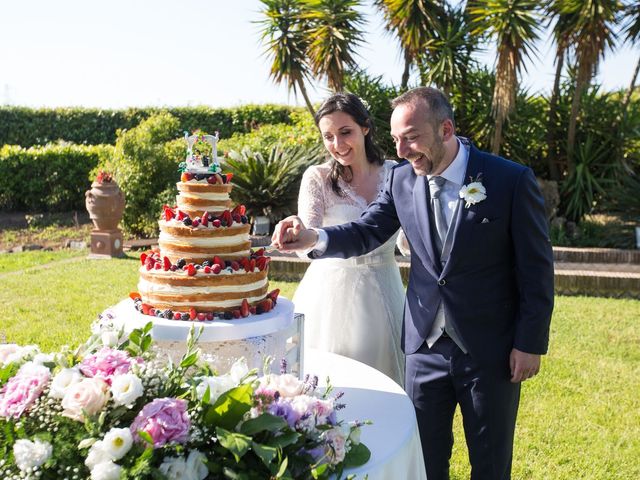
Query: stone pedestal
[106,244]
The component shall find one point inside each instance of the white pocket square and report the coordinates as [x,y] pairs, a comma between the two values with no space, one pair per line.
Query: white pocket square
[485,220]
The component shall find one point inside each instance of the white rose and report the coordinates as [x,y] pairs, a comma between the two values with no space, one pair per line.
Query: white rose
[217,386]
[196,466]
[286,384]
[106,471]
[30,454]
[117,442]
[87,396]
[174,468]
[97,454]
[126,389]
[63,380]
[238,370]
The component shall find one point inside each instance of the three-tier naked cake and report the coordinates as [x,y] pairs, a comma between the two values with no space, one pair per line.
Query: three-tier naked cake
[204,273]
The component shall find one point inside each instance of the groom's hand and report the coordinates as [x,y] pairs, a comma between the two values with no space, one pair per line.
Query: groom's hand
[523,365]
[290,235]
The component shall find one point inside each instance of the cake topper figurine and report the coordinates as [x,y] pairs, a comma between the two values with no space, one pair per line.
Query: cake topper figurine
[202,153]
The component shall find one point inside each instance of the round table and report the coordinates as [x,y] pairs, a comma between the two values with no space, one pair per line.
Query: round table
[370,395]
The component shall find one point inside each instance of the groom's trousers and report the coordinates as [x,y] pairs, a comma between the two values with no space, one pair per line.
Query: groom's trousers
[441,377]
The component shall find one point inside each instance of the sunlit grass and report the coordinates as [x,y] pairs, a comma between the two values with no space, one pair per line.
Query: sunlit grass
[579,419]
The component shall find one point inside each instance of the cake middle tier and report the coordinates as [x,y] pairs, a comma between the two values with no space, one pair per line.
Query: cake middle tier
[178,241]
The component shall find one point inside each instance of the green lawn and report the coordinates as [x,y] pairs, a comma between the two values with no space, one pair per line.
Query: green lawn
[579,419]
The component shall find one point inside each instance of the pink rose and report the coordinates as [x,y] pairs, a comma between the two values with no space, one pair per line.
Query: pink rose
[106,363]
[88,396]
[22,390]
[165,419]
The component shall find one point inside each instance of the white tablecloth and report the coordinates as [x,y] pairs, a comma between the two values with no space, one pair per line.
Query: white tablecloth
[393,438]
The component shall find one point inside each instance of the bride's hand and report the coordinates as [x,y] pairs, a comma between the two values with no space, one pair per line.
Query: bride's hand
[290,235]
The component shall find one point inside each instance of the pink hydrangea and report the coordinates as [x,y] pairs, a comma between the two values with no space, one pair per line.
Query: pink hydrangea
[22,390]
[165,419]
[106,363]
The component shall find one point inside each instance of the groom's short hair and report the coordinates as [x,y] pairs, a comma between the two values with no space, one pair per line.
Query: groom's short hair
[437,102]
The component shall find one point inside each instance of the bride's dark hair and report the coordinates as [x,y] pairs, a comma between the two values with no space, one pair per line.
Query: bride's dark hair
[351,105]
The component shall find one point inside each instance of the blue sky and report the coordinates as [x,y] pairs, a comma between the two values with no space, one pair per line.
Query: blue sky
[119,53]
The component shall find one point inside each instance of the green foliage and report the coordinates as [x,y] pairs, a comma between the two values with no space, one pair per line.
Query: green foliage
[378,97]
[27,126]
[145,166]
[268,184]
[49,178]
[301,132]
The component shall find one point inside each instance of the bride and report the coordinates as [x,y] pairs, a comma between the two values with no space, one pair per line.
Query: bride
[354,306]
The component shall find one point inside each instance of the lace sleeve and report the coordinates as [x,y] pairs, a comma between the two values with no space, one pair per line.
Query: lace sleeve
[311,201]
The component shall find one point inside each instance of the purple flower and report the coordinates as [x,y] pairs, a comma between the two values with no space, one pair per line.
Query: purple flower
[284,410]
[22,390]
[106,363]
[165,419]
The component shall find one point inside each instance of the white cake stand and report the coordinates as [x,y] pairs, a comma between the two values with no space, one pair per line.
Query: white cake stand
[278,334]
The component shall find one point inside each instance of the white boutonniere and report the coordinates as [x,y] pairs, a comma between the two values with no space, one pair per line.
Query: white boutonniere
[474,192]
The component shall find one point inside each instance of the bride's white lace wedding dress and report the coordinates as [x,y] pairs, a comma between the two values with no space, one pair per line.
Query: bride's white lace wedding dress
[353,306]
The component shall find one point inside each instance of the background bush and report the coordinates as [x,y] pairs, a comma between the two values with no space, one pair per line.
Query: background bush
[302,132]
[51,178]
[145,165]
[28,126]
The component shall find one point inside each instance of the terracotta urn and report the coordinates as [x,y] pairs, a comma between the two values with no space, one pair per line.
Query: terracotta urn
[105,204]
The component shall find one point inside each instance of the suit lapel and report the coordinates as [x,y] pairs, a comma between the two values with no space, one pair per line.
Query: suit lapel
[466,216]
[421,211]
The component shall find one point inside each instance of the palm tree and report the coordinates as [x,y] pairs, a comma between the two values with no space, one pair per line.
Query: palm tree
[562,32]
[413,22]
[515,25]
[632,32]
[594,34]
[447,55]
[287,43]
[333,30]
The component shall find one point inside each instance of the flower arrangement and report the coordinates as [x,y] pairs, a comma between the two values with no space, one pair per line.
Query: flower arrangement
[104,177]
[117,408]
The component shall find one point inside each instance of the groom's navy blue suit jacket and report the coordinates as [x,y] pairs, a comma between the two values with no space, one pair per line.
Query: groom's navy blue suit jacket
[497,286]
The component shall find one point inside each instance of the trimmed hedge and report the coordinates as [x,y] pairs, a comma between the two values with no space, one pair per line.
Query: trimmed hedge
[50,178]
[28,127]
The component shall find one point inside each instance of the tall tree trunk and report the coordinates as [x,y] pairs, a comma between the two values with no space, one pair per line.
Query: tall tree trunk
[496,141]
[407,68]
[573,120]
[303,90]
[552,125]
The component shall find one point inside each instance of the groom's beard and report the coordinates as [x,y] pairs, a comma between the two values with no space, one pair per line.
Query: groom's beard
[428,163]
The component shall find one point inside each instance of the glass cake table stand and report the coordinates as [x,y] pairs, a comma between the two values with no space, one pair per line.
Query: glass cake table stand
[277,334]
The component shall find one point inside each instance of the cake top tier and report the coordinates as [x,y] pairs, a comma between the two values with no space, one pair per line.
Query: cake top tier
[202,153]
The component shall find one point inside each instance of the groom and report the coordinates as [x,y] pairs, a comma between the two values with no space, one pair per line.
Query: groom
[480,291]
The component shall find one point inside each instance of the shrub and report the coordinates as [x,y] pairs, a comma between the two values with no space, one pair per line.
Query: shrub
[301,132]
[48,179]
[269,184]
[145,165]
[27,126]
